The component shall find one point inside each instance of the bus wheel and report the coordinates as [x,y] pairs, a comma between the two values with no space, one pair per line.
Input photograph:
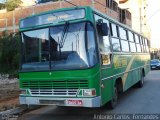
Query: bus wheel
[112,104]
[141,82]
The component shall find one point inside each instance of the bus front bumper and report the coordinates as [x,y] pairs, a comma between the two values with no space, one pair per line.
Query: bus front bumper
[81,102]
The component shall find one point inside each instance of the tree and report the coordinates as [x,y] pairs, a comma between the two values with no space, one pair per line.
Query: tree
[12,4]
[9,53]
[2,6]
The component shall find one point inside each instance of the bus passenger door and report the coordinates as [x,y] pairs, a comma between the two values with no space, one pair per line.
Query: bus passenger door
[106,60]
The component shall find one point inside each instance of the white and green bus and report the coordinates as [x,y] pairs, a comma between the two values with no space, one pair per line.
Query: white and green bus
[79,57]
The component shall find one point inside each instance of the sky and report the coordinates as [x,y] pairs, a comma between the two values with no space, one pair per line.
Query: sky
[153,19]
[2,1]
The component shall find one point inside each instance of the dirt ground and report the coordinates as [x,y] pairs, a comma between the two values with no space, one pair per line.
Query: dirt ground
[9,92]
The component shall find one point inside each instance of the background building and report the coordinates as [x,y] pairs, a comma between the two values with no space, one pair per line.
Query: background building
[138,9]
[9,21]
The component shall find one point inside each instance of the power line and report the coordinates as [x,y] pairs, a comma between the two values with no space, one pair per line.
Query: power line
[71,3]
[153,14]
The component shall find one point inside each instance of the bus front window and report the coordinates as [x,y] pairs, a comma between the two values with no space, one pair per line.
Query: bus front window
[69,49]
[68,46]
[35,47]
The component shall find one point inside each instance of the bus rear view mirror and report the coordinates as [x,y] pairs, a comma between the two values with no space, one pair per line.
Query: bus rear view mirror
[102,28]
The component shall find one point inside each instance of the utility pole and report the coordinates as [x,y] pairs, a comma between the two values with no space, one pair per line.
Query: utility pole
[14,22]
[140,17]
[93,3]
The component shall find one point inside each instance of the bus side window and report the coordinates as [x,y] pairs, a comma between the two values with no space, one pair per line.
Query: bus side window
[146,44]
[137,40]
[141,41]
[115,38]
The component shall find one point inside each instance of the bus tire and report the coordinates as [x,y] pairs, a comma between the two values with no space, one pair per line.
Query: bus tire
[141,82]
[113,103]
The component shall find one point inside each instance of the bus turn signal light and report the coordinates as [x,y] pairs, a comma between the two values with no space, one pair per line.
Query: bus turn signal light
[89,92]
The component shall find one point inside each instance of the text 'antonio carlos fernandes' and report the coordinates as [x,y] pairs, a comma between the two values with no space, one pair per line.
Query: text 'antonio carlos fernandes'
[126,117]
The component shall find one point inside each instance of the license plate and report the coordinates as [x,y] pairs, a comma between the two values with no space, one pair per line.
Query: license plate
[153,67]
[74,102]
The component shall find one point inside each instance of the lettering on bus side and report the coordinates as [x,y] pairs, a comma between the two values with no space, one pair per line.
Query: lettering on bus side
[120,62]
[124,62]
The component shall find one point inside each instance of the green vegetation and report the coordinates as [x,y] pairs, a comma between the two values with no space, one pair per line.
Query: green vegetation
[12,4]
[2,6]
[9,53]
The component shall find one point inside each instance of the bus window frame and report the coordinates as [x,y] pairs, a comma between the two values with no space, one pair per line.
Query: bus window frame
[126,30]
[98,43]
[134,41]
[117,29]
[94,30]
[138,43]
[119,38]
[146,44]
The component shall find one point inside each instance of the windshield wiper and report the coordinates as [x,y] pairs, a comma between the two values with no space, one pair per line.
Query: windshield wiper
[64,35]
[65,31]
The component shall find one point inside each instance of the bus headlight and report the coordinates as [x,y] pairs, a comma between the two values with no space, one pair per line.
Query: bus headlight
[23,92]
[89,92]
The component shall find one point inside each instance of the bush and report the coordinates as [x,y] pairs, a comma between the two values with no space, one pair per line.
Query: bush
[9,53]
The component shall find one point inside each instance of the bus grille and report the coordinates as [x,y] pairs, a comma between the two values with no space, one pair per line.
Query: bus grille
[55,84]
[53,92]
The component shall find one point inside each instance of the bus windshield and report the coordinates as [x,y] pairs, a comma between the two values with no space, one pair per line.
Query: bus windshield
[68,46]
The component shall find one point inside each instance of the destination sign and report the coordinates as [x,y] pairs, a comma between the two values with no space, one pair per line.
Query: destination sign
[54,17]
